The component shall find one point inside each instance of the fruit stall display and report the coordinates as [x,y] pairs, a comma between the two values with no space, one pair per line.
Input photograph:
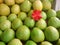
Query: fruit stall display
[29,22]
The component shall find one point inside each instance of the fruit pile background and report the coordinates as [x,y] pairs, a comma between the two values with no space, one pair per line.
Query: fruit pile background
[29,22]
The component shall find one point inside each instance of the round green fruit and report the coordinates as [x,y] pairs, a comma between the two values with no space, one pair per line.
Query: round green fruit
[51,13]
[46,4]
[30,43]
[58,13]
[5,24]
[7,35]
[41,24]
[46,43]
[11,17]
[58,43]
[26,6]
[4,10]
[10,2]
[16,23]
[2,18]
[2,43]
[23,33]
[37,5]
[29,22]
[44,16]
[22,15]
[19,1]
[54,21]
[15,42]
[15,9]
[51,33]
[37,35]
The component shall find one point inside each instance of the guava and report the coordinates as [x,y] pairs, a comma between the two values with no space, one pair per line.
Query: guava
[23,33]
[54,21]
[11,17]
[15,9]
[15,42]
[51,34]
[46,43]
[32,0]
[29,22]
[26,6]
[46,4]
[30,42]
[1,33]
[22,15]
[51,13]
[41,24]
[44,15]
[19,1]
[2,18]
[37,5]
[5,24]
[37,35]
[7,35]
[4,10]
[2,43]
[9,2]
[16,23]
[58,13]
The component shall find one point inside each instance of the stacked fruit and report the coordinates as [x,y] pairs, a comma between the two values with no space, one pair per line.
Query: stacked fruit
[29,22]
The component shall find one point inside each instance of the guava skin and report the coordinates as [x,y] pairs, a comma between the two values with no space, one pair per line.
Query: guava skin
[8,35]
[54,21]
[4,10]
[30,42]
[37,35]
[15,42]
[2,43]
[51,34]
[58,14]
[23,33]
[26,6]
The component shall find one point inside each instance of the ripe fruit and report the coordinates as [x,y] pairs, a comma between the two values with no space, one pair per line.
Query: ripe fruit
[37,5]
[46,43]
[19,1]
[44,16]
[46,5]
[22,15]
[23,33]
[2,18]
[29,22]
[37,35]
[9,2]
[54,21]
[41,24]
[5,24]
[51,13]
[4,10]
[16,23]
[26,6]
[58,13]
[51,33]
[15,9]
[1,1]
[30,43]
[7,35]
[11,17]
[15,42]
[2,43]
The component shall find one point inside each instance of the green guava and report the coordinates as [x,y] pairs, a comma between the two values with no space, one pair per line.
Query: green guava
[23,33]
[2,43]
[37,35]
[58,13]
[51,34]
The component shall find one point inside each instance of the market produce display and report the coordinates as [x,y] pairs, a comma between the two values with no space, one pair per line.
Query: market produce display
[29,22]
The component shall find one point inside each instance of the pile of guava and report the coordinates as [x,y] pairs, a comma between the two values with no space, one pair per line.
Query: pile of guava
[29,22]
